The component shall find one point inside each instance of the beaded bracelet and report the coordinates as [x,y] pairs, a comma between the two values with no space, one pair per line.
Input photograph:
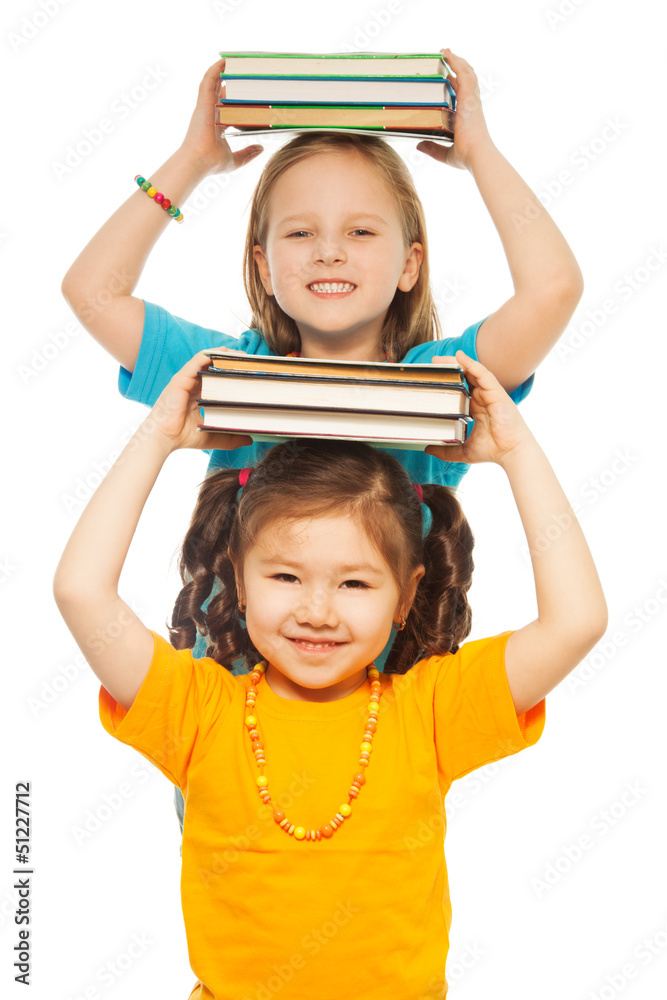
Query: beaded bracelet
[160,199]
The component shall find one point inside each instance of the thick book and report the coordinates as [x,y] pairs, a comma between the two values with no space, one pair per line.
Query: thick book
[443,372]
[290,116]
[324,90]
[303,394]
[395,430]
[433,374]
[392,64]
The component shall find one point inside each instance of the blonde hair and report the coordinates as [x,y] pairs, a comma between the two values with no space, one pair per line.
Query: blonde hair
[411,318]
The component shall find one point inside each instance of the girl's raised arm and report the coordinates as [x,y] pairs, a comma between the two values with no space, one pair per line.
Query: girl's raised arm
[547,280]
[572,612]
[100,282]
[117,645]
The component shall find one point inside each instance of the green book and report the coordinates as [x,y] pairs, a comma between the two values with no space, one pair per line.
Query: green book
[392,65]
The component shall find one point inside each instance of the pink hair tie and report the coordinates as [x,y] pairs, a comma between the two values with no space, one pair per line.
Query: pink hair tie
[244,476]
[419,491]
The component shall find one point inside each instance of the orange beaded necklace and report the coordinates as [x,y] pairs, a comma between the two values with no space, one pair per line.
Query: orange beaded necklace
[345,810]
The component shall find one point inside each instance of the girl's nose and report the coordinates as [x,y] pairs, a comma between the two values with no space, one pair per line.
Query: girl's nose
[328,251]
[317,609]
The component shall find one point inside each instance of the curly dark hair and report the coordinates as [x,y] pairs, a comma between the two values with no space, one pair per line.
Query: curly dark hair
[315,478]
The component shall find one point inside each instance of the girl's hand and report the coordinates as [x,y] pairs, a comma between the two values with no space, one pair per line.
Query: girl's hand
[176,415]
[499,429]
[204,140]
[470,129]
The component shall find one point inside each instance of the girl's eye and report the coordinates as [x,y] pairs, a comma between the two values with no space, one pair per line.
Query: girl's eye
[364,232]
[299,232]
[284,577]
[355,584]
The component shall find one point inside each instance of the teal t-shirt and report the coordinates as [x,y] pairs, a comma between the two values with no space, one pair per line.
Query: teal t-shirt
[168,342]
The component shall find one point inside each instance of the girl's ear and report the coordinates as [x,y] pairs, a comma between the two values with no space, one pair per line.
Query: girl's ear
[263,268]
[238,577]
[408,279]
[413,583]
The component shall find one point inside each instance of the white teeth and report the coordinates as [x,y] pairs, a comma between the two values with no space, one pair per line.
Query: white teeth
[331,286]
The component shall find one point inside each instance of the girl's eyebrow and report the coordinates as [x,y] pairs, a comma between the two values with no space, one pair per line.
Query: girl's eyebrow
[302,216]
[276,559]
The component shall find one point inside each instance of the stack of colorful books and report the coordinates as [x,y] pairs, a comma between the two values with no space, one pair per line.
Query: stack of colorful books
[384,403]
[397,93]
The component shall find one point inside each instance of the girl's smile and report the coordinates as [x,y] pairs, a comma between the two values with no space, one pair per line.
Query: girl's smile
[335,255]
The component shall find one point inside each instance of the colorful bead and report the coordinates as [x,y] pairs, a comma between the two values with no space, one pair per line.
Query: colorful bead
[345,809]
[327,831]
[299,833]
[367,747]
[262,782]
[175,214]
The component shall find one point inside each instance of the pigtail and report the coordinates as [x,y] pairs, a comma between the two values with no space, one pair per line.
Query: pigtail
[204,560]
[440,617]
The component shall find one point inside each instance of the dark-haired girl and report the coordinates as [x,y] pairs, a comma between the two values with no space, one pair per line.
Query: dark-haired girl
[307,779]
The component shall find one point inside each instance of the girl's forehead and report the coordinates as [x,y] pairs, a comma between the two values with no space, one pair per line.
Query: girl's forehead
[337,171]
[326,533]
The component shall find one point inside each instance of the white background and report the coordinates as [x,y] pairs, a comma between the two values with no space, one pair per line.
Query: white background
[552,82]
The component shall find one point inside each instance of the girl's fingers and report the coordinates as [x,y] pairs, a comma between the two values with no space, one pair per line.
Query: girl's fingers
[482,376]
[213,440]
[243,156]
[441,359]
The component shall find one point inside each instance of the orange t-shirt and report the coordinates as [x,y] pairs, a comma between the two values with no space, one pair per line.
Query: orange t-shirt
[366,913]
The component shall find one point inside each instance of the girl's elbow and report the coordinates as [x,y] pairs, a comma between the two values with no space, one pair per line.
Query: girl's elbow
[567,287]
[601,620]
[594,625]
[68,591]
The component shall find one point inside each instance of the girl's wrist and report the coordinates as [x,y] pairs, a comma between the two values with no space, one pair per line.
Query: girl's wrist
[481,153]
[192,165]
[150,440]
[523,456]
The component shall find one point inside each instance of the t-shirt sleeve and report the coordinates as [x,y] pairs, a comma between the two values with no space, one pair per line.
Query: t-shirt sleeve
[466,342]
[163,723]
[167,342]
[474,716]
